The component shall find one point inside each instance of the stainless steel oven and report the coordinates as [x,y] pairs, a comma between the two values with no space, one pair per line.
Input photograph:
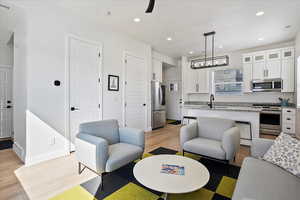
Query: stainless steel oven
[270,122]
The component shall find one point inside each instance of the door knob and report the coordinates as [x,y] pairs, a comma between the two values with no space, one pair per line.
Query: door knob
[73,108]
[8,106]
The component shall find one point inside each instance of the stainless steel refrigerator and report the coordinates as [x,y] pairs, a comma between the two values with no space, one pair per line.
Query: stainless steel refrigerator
[158,94]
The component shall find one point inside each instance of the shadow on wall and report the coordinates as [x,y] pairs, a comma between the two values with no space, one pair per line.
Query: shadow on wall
[42,141]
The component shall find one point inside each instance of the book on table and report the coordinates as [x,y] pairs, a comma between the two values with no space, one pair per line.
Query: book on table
[172,169]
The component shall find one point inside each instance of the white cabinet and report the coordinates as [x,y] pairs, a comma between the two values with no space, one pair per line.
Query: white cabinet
[259,63]
[288,70]
[203,81]
[157,70]
[192,81]
[198,81]
[267,65]
[273,64]
[288,120]
[270,64]
[247,72]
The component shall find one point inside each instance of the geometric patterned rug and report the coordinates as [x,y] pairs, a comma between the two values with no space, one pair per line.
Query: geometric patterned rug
[121,184]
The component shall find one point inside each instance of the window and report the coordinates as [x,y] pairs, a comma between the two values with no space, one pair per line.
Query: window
[227,82]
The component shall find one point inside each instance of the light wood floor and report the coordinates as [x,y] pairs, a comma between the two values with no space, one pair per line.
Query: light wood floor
[49,178]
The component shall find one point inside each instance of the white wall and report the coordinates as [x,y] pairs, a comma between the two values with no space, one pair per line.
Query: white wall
[297,45]
[14,21]
[6,54]
[46,39]
[164,58]
[235,60]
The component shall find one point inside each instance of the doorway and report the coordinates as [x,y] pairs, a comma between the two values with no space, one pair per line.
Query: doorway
[85,89]
[135,92]
[172,81]
[6,102]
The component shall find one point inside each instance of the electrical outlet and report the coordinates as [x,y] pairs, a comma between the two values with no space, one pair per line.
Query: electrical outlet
[52,141]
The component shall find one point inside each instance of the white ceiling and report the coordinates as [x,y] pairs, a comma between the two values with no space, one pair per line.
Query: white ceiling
[185,21]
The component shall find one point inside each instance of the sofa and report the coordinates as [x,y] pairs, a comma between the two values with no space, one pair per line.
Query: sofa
[261,180]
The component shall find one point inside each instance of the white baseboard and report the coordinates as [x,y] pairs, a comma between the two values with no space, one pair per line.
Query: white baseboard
[44,157]
[149,129]
[19,151]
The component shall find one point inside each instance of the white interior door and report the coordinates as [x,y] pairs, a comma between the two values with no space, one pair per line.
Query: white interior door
[5,102]
[135,92]
[85,87]
[173,99]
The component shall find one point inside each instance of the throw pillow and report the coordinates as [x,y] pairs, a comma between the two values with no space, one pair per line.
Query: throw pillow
[285,152]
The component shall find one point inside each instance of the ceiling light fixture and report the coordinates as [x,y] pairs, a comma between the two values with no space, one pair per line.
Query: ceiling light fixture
[261,39]
[260,13]
[209,62]
[136,19]
[221,46]
[169,38]
[191,52]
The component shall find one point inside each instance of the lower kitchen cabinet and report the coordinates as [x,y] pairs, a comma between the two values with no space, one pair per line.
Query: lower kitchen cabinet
[288,120]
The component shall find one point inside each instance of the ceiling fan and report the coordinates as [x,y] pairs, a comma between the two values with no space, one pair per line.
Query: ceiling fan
[4,6]
[150,6]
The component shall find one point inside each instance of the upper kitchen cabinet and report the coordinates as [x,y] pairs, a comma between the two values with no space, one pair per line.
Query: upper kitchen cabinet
[247,72]
[203,81]
[157,70]
[198,81]
[270,64]
[259,62]
[273,64]
[288,70]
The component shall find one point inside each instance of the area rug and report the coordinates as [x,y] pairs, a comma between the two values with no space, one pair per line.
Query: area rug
[6,144]
[121,184]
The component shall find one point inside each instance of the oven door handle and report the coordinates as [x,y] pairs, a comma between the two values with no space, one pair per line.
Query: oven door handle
[271,112]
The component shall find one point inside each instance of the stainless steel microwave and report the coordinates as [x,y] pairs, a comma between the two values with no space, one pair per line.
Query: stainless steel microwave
[268,85]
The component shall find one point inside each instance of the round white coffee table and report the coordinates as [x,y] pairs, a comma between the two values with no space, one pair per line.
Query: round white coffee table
[148,173]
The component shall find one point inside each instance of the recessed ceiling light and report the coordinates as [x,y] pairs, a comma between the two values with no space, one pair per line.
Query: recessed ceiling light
[136,19]
[261,39]
[191,52]
[260,13]
[221,46]
[169,38]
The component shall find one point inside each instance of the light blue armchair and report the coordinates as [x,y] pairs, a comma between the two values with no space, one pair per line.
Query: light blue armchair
[103,147]
[211,137]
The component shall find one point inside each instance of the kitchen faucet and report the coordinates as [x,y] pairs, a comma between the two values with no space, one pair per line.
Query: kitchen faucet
[211,99]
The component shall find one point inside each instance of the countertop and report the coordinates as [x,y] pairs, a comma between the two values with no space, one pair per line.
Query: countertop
[226,106]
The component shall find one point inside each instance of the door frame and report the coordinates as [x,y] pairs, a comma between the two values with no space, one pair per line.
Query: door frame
[125,54]
[68,39]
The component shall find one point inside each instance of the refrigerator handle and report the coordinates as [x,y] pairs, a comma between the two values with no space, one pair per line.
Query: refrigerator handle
[160,95]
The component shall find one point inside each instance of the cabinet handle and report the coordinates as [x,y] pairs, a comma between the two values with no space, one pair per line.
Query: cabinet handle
[288,111]
[288,118]
[288,128]
[197,87]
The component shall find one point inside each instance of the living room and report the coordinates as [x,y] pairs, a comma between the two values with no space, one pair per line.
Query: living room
[79,109]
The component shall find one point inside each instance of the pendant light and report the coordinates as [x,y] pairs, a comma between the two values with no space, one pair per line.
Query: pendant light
[209,62]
